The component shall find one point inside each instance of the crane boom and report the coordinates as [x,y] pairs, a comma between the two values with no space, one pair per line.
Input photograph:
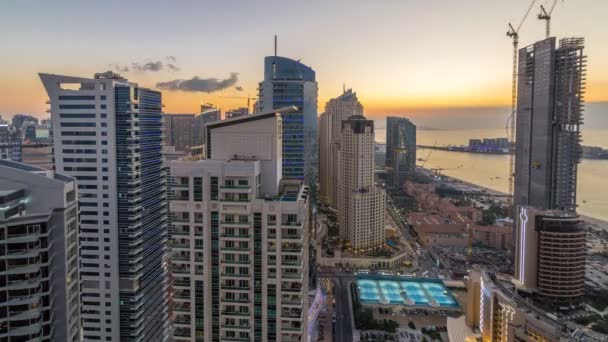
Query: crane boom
[546,15]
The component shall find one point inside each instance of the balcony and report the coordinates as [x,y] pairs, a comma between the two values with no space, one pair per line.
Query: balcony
[235,248]
[291,224]
[236,262]
[235,287]
[235,326]
[236,236]
[236,313]
[178,244]
[180,270]
[178,231]
[235,186]
[181,307]
[236,275]
[291,327]
[233,223]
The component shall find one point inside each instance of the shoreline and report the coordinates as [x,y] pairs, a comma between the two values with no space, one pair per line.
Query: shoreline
[502,197]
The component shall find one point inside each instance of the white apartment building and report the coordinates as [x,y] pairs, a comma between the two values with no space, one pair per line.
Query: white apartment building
[361,202]
[239,239]
[39,282]
[107,134]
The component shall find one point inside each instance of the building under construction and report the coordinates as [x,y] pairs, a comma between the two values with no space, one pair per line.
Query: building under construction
[550,101]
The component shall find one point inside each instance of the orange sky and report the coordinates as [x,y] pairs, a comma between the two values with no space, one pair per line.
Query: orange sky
[399,56]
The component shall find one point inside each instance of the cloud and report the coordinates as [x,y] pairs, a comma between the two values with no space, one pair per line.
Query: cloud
[173,67]
[238,88]
[207,85]
[150,66]
[119,68]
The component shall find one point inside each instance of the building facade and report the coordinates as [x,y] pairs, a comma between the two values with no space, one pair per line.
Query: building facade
[107,134]
[290,83]
[550,253]
[501,314]
[179,131]
[40,290]
[551,85]
[10,144]
[233,113]
[239,239]
[400,149]
[336,110]
[209,113]
[361,202]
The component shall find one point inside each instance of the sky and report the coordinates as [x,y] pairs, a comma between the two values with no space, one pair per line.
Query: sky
[433,60]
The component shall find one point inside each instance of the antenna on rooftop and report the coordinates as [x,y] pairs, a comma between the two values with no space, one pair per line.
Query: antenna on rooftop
[275,45]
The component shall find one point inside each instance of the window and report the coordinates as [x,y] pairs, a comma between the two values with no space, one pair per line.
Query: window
[77,106]
[77,124]
[76,97]
[77,116]
[198,189]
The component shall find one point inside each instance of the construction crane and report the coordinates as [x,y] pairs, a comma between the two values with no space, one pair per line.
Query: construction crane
[513,33]
[242,97]
[544,15]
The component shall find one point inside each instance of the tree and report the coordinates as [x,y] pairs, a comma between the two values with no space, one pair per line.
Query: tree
[411,325]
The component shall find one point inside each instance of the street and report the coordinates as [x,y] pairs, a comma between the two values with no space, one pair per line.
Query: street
[343,330]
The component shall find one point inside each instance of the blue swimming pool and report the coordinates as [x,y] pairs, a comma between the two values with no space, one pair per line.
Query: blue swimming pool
[409,292]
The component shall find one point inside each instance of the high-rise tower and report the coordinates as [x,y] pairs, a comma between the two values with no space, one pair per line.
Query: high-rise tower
[179,131]
[40,295]
[239,238]
[107,134]
[400,148]
[550,238]
[550,103]
[336,110]
[361,202]
[291,83]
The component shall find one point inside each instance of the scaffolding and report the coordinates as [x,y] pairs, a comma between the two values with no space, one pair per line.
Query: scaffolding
[570,76]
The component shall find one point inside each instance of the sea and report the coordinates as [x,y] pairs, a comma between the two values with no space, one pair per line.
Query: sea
[491,171]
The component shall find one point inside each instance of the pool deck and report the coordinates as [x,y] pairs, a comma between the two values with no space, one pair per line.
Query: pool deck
[408,292]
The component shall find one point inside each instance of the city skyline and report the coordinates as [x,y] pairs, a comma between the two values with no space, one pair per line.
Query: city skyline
[401,82]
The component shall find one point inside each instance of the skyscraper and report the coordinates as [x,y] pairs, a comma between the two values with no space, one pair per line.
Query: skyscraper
[549,114]
[209,113]
[107,134]
[239,238]
[291,83]
[325,162]
[361,202]
[400,148]
[550,238]
[336,110]
[179,131]
[40,293]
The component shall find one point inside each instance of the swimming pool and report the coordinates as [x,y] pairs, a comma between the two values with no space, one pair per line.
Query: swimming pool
[414,292]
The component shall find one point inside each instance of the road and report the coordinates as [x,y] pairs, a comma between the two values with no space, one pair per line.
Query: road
[424,262]
[343,331]
[344,328]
